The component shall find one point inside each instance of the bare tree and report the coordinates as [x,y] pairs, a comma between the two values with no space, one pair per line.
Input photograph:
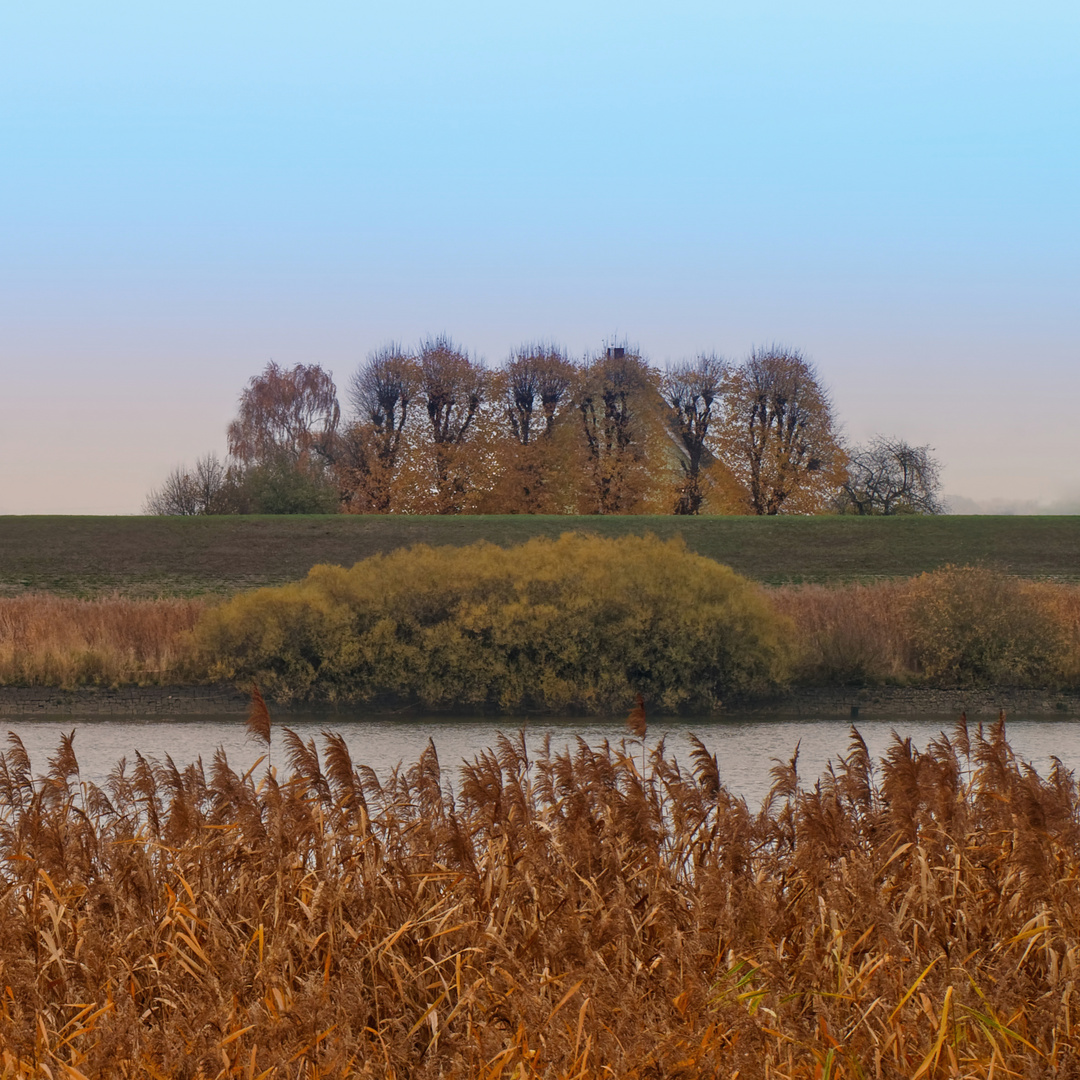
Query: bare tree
[211,480]
[777,437]
[889,476]
[289,414]
[691,391]
[176,496]
[202,490]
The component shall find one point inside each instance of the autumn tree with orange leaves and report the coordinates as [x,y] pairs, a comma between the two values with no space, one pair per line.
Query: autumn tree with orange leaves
[534,390]
[693,393]
[372,447]
[622,449]
[448,462]
[286,412]
[431,430]
[283,442]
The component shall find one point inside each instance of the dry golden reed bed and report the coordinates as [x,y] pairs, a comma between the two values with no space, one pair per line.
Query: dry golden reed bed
[60,641]
[555,917]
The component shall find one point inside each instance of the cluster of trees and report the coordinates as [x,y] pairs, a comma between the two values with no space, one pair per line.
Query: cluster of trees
[434,431]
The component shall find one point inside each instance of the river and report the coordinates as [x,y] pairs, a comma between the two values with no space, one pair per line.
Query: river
[745,746]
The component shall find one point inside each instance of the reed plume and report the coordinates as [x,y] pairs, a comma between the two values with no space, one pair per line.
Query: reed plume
[258,720]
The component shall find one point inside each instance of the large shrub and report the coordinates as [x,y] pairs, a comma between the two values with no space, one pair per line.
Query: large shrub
[974,624]
[577,623]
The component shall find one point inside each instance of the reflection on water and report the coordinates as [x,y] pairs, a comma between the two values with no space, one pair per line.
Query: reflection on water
[744,745]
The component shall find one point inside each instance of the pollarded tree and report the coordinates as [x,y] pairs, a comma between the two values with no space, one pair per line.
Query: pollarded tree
[537,383]
[370,448]
[382,390]
[454,388]
[777,440]
[889,476]
[692,391]
[620,408]
[535,389]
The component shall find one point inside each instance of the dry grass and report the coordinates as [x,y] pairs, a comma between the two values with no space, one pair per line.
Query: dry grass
[850,633]
[56,641]
[1062,602]
[562,917]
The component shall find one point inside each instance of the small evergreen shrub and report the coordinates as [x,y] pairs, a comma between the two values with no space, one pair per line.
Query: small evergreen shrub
[580,623]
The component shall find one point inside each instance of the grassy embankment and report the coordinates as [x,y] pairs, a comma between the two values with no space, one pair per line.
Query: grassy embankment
[150,557]
[561,917]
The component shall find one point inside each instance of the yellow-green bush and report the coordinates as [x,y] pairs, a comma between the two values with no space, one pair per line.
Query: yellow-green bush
[973,624]
[577,623]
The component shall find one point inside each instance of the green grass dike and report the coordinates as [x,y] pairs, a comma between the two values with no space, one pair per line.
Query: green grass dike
[159,556]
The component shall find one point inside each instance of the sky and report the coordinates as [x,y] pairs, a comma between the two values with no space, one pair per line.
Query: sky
[189,191]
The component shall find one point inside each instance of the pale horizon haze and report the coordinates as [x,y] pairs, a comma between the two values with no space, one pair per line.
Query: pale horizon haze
[188,191]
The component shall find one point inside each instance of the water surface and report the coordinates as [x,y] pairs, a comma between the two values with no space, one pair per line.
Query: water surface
[745,746]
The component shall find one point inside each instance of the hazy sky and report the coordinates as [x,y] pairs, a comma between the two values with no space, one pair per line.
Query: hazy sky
[189,190]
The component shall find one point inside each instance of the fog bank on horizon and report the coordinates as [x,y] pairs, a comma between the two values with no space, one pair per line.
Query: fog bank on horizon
[192,191]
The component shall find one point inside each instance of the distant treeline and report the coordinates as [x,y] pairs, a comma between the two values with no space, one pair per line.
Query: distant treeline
[433,431]
[580,624]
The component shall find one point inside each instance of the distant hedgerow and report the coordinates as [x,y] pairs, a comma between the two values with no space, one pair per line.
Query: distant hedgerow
[581,623]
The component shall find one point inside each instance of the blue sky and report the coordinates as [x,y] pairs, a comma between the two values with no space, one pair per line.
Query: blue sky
[190,190]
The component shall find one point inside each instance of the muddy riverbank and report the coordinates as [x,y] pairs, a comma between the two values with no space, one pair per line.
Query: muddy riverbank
[867,701]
